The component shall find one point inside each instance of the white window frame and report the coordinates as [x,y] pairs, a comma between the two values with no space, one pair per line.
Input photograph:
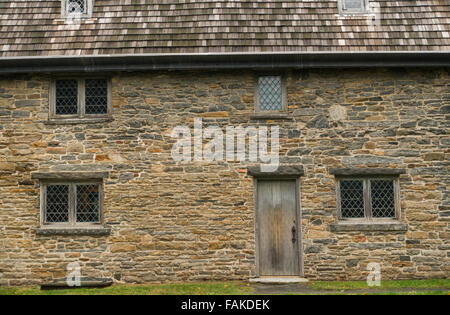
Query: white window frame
[344,11]
[66,14]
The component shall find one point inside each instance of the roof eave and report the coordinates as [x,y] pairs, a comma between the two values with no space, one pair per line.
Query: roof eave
[217,61]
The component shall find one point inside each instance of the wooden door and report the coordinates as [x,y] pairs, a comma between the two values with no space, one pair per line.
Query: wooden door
[278,228]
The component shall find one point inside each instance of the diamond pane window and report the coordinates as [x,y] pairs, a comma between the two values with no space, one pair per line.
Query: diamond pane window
[368,198]
[270,93]
[352,6]
[76,6]
[57,202]
[352,198]
[96,96]
[88,203]
[72,203]
[383,198]
[66,100]
[81,98]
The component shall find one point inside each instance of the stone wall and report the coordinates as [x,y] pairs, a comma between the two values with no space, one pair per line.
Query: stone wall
[195,221]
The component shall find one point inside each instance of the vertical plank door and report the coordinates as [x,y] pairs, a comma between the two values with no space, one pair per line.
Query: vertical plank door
[277,228]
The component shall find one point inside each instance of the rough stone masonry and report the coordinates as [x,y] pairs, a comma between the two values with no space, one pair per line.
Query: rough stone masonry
[195,221]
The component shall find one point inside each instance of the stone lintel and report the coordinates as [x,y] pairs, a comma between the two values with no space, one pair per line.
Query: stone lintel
[388,227]
[287,170]
[69,175]
[366,171]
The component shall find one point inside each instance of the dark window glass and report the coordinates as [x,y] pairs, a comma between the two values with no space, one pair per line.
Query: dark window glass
[57,202]
[88,203]
[96,96]
[352,198]
[383,200]
[66,102]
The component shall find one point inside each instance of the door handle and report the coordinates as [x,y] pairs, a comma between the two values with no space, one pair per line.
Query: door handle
[294,234]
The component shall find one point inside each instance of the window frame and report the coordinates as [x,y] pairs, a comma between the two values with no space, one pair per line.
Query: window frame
[284,101]
[343,11]
[81,98]
[67,15]
[72,199]
[367,198]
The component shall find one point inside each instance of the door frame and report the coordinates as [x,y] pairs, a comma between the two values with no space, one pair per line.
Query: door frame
[298,213]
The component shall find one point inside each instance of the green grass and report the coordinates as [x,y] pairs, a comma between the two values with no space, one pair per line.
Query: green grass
[396,287]
[204,288]
[393,284]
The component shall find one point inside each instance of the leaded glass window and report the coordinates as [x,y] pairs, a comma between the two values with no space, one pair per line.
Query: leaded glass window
[270,94]
[383,198]
[352,199]
[353,6]
[76,9]
[57,204]
[72,203]
[88,203]
[96,96]
[76,6]
[66,97]
[81,98]
[368,198]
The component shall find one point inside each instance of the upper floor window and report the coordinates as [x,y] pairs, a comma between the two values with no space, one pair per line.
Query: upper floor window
[270,94]
[353,6]
[76,8]
[368,198]
[80,98]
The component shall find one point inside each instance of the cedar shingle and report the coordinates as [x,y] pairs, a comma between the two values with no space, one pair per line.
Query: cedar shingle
[34,27]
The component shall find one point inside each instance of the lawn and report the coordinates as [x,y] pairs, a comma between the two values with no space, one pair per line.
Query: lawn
[404,287]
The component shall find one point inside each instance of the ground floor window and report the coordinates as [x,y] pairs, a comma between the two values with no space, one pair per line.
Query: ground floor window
[72,203]
[368,198]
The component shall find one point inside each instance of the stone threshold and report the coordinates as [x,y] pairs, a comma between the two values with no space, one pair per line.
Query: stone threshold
[85,282]
[278,280]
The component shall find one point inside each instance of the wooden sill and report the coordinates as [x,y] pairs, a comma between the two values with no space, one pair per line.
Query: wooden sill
[369,227]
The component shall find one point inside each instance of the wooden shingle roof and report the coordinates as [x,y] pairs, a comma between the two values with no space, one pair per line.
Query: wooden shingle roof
[35,27]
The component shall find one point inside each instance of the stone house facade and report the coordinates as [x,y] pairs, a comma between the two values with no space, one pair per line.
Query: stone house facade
[363,173]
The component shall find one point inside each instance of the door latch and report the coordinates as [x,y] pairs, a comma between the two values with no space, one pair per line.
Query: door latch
[294,234]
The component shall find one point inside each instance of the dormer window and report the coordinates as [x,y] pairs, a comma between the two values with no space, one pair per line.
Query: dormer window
[353,6]
[76,8]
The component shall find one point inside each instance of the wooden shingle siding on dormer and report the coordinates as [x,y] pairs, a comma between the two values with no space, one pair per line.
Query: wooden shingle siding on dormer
[35,28]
